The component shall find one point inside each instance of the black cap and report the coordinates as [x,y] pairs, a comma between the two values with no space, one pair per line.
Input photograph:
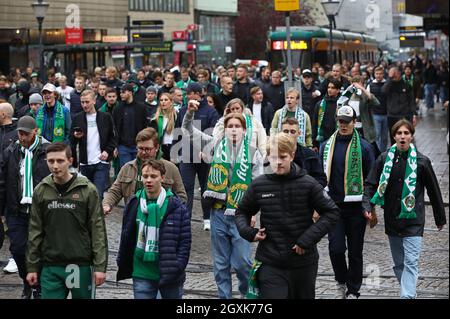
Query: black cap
[127,87]
[194,87]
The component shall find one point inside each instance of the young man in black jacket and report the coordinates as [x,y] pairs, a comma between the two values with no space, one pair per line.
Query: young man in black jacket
[94,131]
[347,160]
[23,167]
[287,255]
[397,183]
[130,117]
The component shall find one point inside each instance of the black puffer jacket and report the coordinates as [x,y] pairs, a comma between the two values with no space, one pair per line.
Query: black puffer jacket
[425,178]
[8,134]
[287,204]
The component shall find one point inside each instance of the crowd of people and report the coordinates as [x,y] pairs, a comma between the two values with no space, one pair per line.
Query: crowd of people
[307,163]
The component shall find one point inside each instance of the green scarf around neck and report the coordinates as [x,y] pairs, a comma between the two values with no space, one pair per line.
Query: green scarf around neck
[408,201]
[322,109]
[27,182]
[104,108]
[59,123]
[353,175]
[410,82]
[300,115]
[219,186]
[149,216]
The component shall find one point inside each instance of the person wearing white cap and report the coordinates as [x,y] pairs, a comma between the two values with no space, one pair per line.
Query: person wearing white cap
[347,159]
[53,119]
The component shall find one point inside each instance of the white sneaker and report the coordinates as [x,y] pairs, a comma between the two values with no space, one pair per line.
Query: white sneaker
[11,267]
[351,296]
[340,291]
[206,224]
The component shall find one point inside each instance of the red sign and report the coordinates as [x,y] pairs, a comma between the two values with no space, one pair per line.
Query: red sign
[193,27]
[74,35]
[179,35]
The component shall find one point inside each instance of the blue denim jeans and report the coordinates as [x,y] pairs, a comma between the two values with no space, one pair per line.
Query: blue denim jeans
[229,249]
[429,95]
[126,154]
[148,289]
[381,129]
[98,174]
[405,253]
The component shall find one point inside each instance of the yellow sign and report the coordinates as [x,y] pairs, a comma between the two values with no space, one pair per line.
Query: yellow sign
[295,45]
[287,5]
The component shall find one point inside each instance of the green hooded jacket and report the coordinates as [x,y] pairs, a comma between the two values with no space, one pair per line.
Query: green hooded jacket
[66,228]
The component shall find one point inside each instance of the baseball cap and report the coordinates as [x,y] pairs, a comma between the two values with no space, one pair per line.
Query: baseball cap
[127,87]
[194,87]
[49,87]
[26,123]
[345,113]
[306,72]
[34,74]
[35,98]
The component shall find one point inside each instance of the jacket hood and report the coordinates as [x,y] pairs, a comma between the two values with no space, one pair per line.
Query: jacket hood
[79,181]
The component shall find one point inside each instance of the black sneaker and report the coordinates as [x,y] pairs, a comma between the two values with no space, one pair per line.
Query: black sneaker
[36,294]
[26,293]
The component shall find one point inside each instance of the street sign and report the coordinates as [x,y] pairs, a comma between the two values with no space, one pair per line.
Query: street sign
[148,22]
[179,35]
[193,27]
[166,47]
[204,48]
[179,46]
[114,38]
[287,5]
[74,35]
[407,41]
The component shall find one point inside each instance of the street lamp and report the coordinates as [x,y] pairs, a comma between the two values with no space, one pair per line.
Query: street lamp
[331,8]
[40,8]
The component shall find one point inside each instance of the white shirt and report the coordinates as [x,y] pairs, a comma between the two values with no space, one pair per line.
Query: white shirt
[65,95]
[93,140]
[257,112]
[167,138]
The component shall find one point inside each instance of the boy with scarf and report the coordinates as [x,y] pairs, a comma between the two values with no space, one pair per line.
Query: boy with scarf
[347,160]
[23,167]
[67,247]
[155,241]
[53,119]
[293,109]
[397,183]
[235,163]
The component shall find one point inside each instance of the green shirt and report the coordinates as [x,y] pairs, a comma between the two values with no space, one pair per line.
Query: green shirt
[290,114]
[143,269]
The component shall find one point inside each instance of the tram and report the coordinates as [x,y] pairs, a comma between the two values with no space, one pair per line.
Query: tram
[310,44]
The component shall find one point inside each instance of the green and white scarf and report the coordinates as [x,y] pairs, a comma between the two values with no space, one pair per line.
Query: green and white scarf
[353,176]
[322,108]
[58,120]
[409,186]
[253,284]
[301,118]
[219,186]
[27,181]
[410,82]
[149,218]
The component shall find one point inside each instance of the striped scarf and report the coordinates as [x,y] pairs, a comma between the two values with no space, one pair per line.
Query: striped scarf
[27,182]
[301,118]
[353,175]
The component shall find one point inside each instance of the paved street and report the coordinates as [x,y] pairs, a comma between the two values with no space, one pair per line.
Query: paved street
[379,280]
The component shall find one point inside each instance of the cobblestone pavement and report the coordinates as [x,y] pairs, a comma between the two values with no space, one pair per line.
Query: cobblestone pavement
[379,280]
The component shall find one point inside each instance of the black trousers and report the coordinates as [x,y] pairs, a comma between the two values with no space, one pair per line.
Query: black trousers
[281,283]
[349,230]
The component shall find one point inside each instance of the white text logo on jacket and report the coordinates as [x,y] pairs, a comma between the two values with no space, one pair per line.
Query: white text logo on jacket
[56,205]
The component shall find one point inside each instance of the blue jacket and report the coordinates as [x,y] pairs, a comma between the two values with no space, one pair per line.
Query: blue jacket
[49,115]
[174,242]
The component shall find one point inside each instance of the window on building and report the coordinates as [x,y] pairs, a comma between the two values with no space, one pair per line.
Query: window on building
[171,6]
